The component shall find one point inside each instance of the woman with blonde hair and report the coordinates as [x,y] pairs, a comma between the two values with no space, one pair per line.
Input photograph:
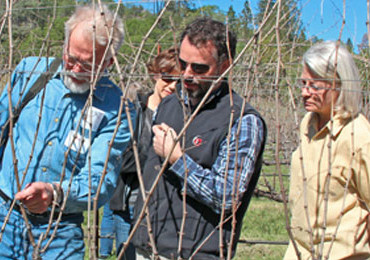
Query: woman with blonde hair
[330,184]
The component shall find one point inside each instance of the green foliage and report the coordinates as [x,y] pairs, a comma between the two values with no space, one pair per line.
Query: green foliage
[232,20]
[32,44]
[30,27]
[31,20]
[246,21]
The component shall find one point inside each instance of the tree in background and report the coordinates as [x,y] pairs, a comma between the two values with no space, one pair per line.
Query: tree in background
[363,47]
[349,45]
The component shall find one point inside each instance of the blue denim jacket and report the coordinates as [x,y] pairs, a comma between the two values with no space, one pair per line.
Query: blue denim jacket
[64,127]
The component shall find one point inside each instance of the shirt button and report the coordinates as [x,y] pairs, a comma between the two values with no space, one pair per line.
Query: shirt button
[56,120]
[50,143]
[44,169]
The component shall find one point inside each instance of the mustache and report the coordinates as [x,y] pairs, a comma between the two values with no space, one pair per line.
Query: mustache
[81,75]
[76,88]
[191,81]
[197,80]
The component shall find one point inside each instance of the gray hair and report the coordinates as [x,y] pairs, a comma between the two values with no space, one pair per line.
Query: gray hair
[91,15]
[320,60]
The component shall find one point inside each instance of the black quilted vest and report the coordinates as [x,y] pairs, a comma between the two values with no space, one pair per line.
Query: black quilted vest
[209,128]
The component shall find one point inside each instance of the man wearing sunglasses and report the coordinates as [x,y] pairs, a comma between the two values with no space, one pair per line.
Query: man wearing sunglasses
[62,157]
[211,172]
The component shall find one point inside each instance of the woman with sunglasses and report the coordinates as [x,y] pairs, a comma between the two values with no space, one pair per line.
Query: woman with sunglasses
[330,183]
[117,215]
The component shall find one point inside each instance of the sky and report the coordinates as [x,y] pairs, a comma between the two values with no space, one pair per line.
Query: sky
[321,18]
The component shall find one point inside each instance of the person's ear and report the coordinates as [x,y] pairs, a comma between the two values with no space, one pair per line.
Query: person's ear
[65,52]
[224,65]
[64,56]
[110,62]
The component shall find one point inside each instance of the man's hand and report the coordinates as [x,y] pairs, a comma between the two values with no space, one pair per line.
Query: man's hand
[164,138]
[36,196]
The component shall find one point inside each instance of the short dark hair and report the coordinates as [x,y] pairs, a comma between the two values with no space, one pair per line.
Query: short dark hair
[203,30]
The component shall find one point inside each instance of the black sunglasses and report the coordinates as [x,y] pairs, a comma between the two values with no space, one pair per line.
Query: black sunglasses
[168,78]
[196,67]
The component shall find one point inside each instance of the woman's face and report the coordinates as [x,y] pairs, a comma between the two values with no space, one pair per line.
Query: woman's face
[317,94]
[165,84]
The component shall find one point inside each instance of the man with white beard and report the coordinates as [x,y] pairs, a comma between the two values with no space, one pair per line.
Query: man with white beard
[62,157]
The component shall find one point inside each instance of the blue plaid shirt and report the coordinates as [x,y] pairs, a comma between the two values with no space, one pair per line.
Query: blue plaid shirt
[207,185]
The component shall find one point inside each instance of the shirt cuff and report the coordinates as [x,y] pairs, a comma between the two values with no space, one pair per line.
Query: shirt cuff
[178,167]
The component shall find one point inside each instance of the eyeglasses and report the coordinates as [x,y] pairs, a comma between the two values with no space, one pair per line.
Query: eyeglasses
[311,87]
[86,66]
[168,78]
[198,68]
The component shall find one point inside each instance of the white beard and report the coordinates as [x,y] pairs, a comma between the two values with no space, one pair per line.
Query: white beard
[74,87]
[81,87]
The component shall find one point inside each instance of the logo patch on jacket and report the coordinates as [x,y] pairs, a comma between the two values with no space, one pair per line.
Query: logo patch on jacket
[197,141]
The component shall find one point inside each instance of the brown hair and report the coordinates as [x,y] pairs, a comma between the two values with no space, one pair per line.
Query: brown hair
[165,61]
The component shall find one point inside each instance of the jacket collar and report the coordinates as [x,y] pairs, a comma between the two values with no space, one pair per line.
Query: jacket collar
[333,128]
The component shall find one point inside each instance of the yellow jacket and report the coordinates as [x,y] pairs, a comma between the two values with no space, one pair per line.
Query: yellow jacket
[337,215]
